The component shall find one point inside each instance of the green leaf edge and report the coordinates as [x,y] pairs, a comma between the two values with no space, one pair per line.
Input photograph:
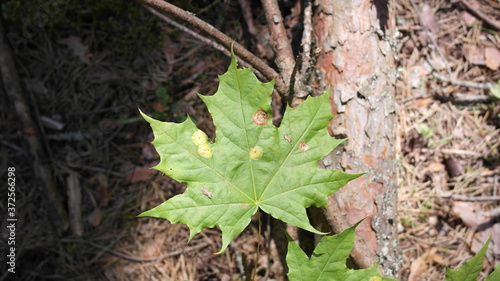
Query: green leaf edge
[348,235]
[470,270]
[495,275]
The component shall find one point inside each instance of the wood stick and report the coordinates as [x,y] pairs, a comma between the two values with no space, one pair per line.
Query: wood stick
[301,87]
[281,44]
[74,192]
[472,7]
[43,172]
[219,37]
[134,258]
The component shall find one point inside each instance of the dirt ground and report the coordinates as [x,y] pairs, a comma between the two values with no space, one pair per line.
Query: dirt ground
[86,73]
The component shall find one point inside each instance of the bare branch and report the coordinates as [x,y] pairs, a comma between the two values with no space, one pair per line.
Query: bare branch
[189,31]
[37,148]
[473,199]
[469,84]
[281,44]
[134,258]
[301,90]
[473,7]
[211,32]
[246,9]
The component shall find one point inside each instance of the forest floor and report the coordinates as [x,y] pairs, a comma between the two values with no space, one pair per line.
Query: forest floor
[85,82]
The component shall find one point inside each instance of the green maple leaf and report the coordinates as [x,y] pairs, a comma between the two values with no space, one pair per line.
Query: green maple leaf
[328,261]
[252,164]
[470,270]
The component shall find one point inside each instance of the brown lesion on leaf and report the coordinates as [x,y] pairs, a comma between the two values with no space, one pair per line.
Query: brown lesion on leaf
[260,117]
[206,192]
[303,146]
[288,138]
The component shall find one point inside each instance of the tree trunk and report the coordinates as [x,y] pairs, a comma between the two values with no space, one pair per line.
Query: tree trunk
[357,61]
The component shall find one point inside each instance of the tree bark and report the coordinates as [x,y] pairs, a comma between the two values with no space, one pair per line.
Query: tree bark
[357,61]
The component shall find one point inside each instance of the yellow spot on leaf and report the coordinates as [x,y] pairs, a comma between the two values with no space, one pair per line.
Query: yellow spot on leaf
[205,150]
[199,137]
[375,278]
[256,152]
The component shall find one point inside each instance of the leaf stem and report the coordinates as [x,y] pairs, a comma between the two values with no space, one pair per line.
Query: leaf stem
[258,246]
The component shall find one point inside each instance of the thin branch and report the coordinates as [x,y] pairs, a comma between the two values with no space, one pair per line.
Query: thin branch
[189,31]
[281,44]
[472,199]
[211,32]
[133,258]
[246,9]
[199,37]
[36,152]
[494,23]
[469,84]
[301,89]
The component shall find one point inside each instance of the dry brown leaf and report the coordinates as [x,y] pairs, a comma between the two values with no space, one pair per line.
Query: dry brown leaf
[453,167]
[436,167]
[468,19]
[492,58]
[424,102]
[95,218]
[495,240]
[417,267]
[138,174]
[415,75]
[104,195]
[429,19]
[474,54]
[75,44]
[422,263]
[100,178]
[149,152]
[158,107]
[469,213]
[102,188]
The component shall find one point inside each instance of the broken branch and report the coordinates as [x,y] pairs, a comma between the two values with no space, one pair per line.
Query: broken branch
[219,37]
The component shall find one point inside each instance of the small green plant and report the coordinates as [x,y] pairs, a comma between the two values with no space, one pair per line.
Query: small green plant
[495,90]
[254,166]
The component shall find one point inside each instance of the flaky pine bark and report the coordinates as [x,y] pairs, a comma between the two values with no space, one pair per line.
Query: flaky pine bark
[357,61]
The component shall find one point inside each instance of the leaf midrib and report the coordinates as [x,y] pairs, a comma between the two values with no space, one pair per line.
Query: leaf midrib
[284,160]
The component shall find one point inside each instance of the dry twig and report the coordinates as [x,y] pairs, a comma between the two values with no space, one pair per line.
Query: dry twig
[133,258]
[281,44]
[219,37]
[300,88]
[36,152]
[189,31]
[472,7]
[246,8]
[469,84]
[472,199]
